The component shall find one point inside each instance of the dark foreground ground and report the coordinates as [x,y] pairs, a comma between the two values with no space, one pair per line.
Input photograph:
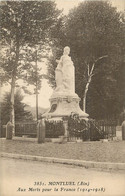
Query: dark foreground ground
[113,151]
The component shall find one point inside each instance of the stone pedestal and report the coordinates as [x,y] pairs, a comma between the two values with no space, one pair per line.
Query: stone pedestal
[62,105]
[64,100]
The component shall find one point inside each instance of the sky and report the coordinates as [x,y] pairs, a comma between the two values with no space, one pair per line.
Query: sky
[68,4]
[46,90]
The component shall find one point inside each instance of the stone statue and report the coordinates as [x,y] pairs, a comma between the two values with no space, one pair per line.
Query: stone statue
[64,73]
[64,100]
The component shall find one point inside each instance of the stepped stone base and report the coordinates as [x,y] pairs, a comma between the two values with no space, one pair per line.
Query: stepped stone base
[62,105]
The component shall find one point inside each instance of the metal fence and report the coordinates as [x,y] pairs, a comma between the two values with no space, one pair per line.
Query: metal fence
[90,130]
[26,128]
[77,129]
[54,129]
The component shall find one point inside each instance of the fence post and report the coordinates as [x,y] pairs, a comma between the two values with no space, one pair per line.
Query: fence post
[123,130]
[0,130]
[65,125]
[9,129]
[41,131]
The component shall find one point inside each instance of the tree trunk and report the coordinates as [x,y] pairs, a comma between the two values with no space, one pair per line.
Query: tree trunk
[37,105]
[90,74]
[84,101]
[12,113]
[85,94]
[36,89]
[13,82]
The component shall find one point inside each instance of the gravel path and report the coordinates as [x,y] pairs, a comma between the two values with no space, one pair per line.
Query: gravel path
[113,151]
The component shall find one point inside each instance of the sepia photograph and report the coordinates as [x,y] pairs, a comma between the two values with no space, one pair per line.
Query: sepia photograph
[62,98]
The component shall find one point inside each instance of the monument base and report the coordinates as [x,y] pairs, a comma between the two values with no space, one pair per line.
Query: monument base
[62,105]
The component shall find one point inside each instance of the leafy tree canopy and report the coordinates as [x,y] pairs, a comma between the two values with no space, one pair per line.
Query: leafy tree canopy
[92,30]
[20,113]
[23,24]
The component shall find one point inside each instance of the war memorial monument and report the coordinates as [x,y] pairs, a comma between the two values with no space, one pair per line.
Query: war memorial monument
[64,100]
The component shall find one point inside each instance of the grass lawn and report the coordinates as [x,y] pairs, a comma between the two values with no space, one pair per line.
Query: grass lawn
[113,151]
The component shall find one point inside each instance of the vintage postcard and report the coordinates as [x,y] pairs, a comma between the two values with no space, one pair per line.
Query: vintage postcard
[62,98]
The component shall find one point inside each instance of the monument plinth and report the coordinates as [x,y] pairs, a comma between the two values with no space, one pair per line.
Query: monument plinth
[64,100]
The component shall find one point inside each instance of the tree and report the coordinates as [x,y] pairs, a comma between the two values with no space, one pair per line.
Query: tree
[23,23]
[34,58]
[94,32]
[35,77]
[19,107]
